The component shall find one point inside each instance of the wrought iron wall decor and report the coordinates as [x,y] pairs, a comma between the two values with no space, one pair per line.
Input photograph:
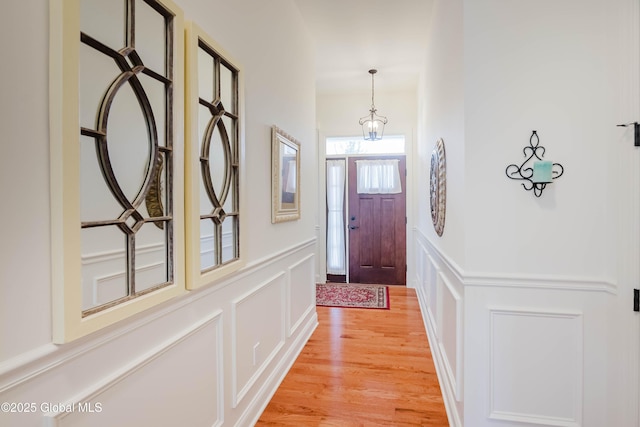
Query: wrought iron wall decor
[438,186]
[536,176]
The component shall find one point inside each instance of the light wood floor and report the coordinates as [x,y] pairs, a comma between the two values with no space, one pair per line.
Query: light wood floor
[362,367]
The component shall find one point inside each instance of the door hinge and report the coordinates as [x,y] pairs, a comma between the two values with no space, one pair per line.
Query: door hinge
[636,300]
[405,220]
[636,133]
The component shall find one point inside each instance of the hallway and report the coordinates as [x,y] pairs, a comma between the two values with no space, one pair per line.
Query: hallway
[362,367]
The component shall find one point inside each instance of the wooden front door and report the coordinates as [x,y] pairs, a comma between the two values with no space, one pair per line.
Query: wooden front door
[377,231]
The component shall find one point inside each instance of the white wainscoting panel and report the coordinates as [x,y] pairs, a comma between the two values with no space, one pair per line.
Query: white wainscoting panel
[131,397]
[442,306]
[433,291]
[427,287]
[519,350]
[257,333]
[187,362]
[529,350]
[301,293]
[420,265]
[451,336]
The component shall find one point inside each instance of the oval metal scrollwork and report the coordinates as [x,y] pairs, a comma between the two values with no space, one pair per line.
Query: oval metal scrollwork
[130,207]
[438,187]
[217,200]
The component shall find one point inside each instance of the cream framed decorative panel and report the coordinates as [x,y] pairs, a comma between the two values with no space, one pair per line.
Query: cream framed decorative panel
[285,176]
[116,73]
[213,141]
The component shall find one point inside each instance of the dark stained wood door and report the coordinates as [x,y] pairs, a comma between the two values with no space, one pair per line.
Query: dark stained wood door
[377,231]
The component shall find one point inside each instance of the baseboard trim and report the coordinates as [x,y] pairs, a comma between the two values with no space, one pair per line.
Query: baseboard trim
[264,395]
[448,393]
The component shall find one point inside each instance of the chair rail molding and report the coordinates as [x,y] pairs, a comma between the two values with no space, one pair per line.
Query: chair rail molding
[565,283]
[41,360]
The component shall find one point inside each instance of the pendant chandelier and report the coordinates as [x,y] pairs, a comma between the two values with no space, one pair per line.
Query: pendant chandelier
[372,124]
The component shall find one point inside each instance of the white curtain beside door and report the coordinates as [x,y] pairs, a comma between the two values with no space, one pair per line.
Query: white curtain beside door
[336,258]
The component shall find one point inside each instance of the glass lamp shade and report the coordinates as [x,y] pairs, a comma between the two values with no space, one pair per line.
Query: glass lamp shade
[373,126]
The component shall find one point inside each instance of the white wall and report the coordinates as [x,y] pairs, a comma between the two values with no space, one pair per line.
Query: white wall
[25,146]
[528,300]
[441,115]
[537,67]
[214,356]
[439,260]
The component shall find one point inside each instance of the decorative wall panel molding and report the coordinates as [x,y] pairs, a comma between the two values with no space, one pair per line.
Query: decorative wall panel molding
[283,365]
[274,257]
[565,328]
[452,334]
[45,359]
[450,383]
[428,286]
[542,282]
[301,298]
[433,290]
[567,283]
[88,406]
[528,351]
[256,334]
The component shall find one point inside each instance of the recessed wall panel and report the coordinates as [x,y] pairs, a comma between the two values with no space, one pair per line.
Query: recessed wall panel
[185,375]
[451,330]
[302,292]
[257,331]
[536,367]
[432,287]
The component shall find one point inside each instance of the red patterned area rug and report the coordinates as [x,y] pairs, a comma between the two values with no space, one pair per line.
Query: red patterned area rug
[352,295]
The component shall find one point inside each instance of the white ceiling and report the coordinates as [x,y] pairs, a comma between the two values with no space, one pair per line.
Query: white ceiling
[353,36]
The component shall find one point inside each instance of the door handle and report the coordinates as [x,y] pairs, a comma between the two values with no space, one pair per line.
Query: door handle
[353,227]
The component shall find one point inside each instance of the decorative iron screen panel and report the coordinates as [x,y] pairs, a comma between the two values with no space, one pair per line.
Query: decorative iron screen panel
[218,135]
[126,146]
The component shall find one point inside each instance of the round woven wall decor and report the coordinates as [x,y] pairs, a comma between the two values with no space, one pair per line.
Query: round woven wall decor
[438,187]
